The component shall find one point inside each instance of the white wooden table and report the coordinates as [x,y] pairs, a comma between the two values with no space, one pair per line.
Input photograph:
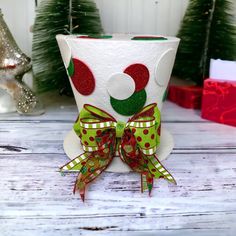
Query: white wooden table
[36,200]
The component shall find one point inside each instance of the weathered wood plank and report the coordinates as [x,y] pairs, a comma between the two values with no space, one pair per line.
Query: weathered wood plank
[156,225]
[47,137]
[36,199]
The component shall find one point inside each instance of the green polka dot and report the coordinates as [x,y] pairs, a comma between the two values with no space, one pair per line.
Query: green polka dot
[83,170]
[96,36]
[70,69]
[98,139]
[101,162]
[165,95]
[145,165]
[131,105]
[149,38]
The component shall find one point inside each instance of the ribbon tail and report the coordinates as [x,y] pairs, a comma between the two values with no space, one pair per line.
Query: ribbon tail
[89,168]
[146,183]
[80,186]
[91,164]
[84,179]
[144,186]
[74,165]
[160,170]
[149,180]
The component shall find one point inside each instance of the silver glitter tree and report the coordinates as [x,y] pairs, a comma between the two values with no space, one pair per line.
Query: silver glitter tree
[13,65]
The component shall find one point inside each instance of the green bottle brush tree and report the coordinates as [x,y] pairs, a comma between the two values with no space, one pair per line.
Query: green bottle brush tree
[59,17]
[207,31]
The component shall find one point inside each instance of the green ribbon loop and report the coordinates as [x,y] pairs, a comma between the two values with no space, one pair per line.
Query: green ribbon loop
[144,125]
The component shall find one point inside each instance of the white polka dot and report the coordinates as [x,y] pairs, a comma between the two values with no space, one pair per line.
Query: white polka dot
[64,49]
[120,86]
[164,67]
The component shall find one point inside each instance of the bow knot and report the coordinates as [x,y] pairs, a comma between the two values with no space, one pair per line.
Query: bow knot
[120,127]
[102,137]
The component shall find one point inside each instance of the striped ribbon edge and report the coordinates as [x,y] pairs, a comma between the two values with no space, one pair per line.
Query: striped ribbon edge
[149,151]
[144,185]
[74,163]
[98,125]
[161,169]
[90,148]
[120,153]
[141,124]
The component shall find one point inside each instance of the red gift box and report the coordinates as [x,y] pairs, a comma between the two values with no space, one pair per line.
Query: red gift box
[219,101]
[186,96]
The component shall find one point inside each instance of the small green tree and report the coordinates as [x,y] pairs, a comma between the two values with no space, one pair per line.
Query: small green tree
[207,31]
[59,17]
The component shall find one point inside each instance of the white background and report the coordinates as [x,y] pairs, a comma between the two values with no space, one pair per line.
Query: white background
[123,16]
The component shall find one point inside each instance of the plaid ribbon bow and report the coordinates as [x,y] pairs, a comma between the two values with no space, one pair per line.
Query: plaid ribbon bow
[102,138]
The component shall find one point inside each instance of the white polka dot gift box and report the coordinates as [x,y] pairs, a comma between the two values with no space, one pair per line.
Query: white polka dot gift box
[118,82]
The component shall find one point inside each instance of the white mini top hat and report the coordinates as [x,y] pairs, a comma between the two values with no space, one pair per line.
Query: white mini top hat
[119,74]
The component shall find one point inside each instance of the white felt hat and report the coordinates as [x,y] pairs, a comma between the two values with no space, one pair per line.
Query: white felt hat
[111,62]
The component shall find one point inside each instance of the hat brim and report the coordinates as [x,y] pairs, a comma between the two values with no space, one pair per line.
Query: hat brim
[73,149]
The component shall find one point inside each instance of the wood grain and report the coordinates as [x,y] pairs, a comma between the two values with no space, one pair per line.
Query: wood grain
[36,200]
[47,137]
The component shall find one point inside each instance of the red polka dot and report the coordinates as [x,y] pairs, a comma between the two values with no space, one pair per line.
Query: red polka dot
[139,157]
[139,138]
[152,175]
[146,161]
[95,37]
[159,131]
[153,170]
[149,180]
[153,136]
[147,145]
[83,78]
[83,163]
[140,75]
[84,131]
[133,130]
[145,131]
[84,37]
[133,164]
[91,139]
[99,132]
[85,143]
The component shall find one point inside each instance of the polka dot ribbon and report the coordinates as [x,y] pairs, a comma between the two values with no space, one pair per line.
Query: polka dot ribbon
[102,138]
